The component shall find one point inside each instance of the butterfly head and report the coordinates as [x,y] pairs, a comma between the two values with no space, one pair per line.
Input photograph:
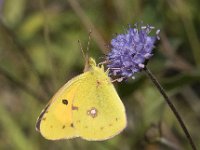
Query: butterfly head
[91,65]
[92,62]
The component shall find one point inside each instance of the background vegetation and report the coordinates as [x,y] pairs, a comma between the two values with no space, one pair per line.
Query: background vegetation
[39,52]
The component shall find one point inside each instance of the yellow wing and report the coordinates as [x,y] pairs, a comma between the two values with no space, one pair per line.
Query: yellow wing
[88,106]
[55,121]
[100,114]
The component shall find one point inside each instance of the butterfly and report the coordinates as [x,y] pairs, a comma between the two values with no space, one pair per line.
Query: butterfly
[87,106]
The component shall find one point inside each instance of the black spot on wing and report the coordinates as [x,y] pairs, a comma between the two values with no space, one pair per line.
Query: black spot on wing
[65,101]
[37,126]
[116,119]
[102,128]
[72,125]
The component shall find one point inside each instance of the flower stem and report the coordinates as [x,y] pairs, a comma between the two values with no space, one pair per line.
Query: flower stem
[172,107]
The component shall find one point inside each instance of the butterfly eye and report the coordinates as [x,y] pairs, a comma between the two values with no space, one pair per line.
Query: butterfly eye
[64,101]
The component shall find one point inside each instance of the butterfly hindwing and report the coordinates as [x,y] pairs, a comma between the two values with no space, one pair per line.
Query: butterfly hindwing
[100,114]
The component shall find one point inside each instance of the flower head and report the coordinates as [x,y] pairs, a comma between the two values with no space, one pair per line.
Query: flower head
[130,51]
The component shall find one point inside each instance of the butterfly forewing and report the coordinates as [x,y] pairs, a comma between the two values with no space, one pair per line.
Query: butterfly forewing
[56,122]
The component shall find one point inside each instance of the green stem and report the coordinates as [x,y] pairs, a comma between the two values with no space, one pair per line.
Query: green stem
[172,107]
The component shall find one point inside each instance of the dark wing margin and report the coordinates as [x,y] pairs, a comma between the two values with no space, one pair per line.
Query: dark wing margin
[37,126]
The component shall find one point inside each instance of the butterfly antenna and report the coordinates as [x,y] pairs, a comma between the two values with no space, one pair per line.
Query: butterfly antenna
[81,47]
[88,44]
[87,53]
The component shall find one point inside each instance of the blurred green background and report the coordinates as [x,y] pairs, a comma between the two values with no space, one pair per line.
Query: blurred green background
[39,52]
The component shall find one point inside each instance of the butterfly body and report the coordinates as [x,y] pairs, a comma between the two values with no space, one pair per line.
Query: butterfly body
[87,106]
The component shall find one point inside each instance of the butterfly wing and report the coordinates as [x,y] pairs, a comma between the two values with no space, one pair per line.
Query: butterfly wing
[100,114]
[87,106]
[55,121]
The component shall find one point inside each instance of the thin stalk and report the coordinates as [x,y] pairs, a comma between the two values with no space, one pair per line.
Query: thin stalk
[172,107]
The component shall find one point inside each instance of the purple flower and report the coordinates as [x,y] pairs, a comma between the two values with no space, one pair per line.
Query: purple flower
[130,51]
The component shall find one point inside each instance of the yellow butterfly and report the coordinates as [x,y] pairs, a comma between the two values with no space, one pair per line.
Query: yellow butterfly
[87,106]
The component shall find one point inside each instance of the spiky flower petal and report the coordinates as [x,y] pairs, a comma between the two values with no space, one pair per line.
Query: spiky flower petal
[130,51]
